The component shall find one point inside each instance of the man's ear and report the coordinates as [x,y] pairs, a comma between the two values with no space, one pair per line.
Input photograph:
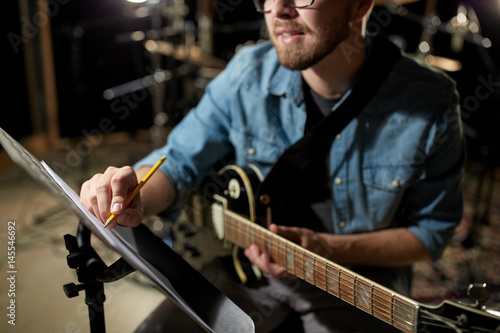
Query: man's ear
[363,9]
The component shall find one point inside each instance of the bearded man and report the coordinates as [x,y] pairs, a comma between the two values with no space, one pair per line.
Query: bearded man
[376,194]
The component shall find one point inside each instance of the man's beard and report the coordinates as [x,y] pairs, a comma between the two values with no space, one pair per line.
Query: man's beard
[297,57]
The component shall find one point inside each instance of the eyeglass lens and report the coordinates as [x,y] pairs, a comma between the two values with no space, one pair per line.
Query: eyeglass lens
[266,5]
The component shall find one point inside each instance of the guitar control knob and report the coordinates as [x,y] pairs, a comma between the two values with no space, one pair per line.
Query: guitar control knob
[478,293]
[265,199]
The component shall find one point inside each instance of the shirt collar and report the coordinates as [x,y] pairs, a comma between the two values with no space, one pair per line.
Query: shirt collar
[287,82]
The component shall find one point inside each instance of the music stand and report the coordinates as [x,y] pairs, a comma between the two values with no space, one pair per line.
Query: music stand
[140,249]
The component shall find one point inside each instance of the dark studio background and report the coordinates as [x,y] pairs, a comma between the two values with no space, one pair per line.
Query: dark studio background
[92,52]
[52,113]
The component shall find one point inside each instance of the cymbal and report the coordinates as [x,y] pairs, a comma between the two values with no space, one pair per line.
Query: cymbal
[399,2]
[446,64]
[442,63]
[192,54]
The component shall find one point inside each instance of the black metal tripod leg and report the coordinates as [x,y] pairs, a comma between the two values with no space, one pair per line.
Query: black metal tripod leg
[95,298]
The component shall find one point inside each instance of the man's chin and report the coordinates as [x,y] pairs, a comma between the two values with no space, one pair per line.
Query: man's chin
[292,58]
[293,66]
[294,62]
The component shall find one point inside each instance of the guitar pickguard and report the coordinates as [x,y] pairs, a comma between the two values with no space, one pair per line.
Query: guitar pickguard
[238,196]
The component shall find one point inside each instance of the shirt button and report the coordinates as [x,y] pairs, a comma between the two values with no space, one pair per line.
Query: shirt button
[395,184]
[251,151]
[338,181]
[342,224]
[338,136]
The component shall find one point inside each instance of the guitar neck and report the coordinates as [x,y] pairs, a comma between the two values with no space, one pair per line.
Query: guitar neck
[233,212]
[392,308]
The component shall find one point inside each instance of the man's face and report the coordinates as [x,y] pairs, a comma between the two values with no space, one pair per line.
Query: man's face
[302,37]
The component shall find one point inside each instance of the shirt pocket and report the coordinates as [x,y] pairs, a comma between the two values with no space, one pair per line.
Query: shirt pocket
[261,150]
[385,186]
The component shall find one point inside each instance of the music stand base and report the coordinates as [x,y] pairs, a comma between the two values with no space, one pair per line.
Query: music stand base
[92,272]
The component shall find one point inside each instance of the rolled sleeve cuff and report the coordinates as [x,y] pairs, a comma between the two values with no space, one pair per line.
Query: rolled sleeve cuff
[434,236]
[168,169]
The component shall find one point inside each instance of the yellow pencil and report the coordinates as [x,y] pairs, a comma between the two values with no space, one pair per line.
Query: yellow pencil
[138,187]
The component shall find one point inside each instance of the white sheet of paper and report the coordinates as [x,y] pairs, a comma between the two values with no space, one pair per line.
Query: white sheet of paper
[48,179]
[113,241]
[223,315]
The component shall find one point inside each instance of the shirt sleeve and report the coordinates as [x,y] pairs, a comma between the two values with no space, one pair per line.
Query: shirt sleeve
[435,201]
[198,142]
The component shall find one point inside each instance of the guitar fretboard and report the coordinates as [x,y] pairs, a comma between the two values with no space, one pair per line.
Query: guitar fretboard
[382,303]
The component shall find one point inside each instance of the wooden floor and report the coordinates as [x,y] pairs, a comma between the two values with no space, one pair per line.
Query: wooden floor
[40,255]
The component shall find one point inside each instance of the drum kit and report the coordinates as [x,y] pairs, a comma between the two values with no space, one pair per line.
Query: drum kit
[183,34]
[463,27]
[181,61]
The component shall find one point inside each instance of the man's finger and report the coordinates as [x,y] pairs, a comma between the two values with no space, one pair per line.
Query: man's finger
[122,184]
[290,233]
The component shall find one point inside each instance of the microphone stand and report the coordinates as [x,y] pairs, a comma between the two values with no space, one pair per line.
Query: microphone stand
[92,273]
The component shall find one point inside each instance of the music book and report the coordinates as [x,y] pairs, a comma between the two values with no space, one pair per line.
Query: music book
[144,251]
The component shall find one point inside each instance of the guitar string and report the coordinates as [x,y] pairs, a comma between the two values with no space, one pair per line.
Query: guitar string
[461,330]
[425,314]
[386,310]
[450,324]
[455,329]
[283,251]
[380,310]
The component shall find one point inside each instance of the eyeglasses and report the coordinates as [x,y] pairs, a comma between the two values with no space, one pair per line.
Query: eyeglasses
[264,6]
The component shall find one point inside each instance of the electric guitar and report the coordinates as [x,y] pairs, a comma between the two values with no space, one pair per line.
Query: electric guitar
[234,219]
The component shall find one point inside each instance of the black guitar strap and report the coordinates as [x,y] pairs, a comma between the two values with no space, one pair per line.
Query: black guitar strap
[295,173]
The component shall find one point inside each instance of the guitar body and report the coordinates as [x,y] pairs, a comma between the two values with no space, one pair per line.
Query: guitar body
[238,186]
[236,219]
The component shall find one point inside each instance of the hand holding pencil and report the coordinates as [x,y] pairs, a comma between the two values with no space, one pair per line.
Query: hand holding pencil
[137,188]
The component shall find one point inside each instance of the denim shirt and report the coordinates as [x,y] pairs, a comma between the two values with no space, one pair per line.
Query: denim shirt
[398,164]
